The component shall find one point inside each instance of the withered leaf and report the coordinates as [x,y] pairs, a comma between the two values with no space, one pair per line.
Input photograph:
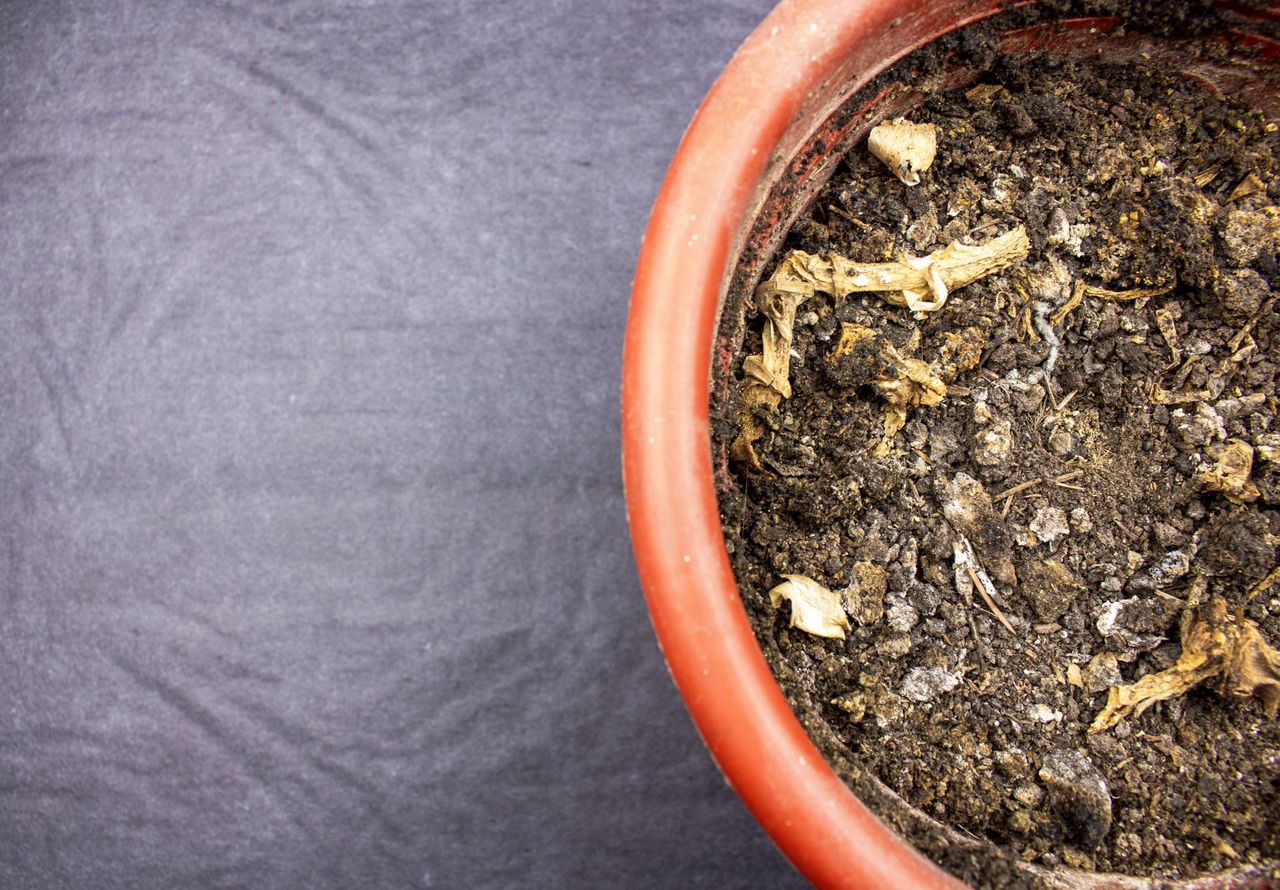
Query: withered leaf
[814,608]
[767,374]
[905,148]
[754,396]
[851,336]
[1231,476]
[1253,669]
[916,384]
[903,382]
[1215,643]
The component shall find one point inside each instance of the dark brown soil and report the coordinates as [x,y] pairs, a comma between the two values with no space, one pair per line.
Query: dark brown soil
[1124,178]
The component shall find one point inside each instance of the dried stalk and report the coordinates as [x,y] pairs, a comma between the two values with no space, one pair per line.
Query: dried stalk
[801,275]
[902,283]
[1216,643]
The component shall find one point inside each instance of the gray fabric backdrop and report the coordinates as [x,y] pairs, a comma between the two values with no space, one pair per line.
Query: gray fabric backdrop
[314,569]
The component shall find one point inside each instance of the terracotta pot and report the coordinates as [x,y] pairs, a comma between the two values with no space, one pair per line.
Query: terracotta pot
[756,150]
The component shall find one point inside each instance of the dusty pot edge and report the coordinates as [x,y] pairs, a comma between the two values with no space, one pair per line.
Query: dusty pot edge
[764,103]
[747,130]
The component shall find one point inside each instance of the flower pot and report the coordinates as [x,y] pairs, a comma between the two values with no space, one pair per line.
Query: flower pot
[758,148]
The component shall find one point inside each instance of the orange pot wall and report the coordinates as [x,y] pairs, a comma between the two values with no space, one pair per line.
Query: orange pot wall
[765,103]
[789,75]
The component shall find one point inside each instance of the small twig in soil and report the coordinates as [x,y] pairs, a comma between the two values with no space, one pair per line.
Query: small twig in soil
[1027,328]
[846,215]
[1138,293]
[1184,372]
[1166,322]
[986,598]
[986,225]
[1247,186]
[1207,175]
[1076,298]
[1234,344]
[982,92]
[1060,481]
[1067,399]
[1264,584]
[978,578]
[1020,487]
[1050,391]
[1064,480]
[977,642]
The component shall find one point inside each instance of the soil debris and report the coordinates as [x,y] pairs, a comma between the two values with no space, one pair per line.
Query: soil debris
[801,275]
[926,684]
[814,608]
[1051,588]
[914,383]
[1079,793]
[1231,475]
[862,356]
[1215,643]
[905,148]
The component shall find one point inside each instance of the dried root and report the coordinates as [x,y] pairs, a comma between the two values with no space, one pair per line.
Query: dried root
[921,284]
[1231,476]
[1216,643]
[801,275]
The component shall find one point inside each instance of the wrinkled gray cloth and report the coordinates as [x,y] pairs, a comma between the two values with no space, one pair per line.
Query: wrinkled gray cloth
[314,569]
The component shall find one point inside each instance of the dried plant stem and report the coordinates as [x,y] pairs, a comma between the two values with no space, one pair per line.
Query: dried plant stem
[801,275]
[902,283]
[986,598]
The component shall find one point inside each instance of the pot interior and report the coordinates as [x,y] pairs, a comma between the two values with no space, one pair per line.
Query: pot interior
[1238,64]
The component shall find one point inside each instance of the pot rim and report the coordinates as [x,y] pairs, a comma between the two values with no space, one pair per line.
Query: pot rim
[696,228]
[758,113]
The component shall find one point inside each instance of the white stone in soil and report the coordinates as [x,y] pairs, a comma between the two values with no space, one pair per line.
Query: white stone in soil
[926,684]
[1042,713]
[1050,524]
